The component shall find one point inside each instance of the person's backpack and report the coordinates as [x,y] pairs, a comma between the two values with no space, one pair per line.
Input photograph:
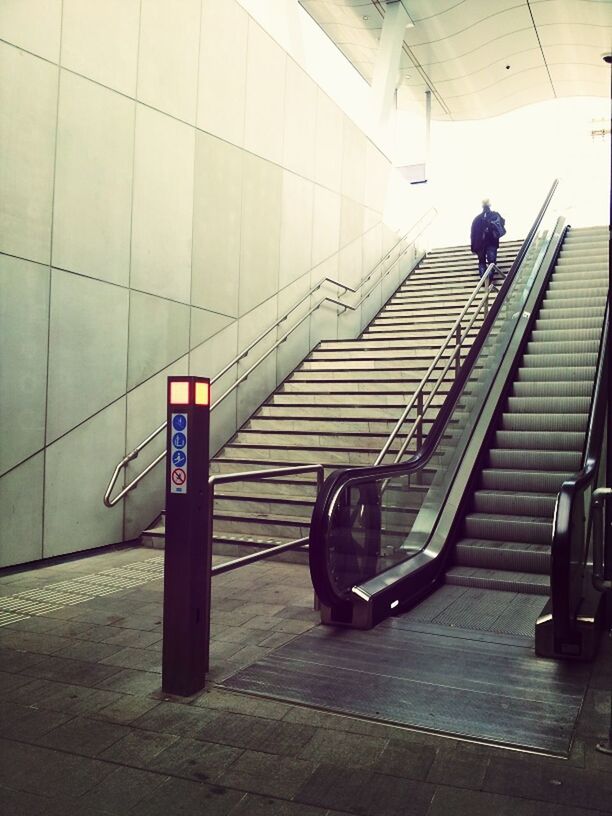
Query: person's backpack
[496,225]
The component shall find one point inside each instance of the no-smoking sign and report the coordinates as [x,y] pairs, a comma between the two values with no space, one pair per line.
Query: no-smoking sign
[178,454]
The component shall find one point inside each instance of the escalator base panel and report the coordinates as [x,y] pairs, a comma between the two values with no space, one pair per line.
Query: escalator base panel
[476,685]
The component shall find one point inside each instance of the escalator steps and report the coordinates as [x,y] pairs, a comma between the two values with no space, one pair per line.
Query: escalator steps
[539,439]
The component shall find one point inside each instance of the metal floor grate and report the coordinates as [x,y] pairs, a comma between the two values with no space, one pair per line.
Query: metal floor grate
[473,685]
[72,591]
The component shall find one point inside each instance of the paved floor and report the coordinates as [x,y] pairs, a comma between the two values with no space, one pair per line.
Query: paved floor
[84,728]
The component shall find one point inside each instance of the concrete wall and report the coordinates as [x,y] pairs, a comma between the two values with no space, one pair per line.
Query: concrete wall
[171,181]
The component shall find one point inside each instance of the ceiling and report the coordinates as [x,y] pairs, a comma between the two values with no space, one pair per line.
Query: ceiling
[480,58]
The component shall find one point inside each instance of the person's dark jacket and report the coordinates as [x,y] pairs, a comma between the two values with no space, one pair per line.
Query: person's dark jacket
[483,234]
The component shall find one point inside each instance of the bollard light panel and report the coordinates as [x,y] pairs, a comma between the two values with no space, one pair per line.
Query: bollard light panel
[202,393]
[179,392]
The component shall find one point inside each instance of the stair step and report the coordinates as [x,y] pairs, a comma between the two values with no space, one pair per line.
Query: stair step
[503,580]
[514,503]
[548,405]
[566,461]
[257,504]
[523,480]
[544,422]
[574,346]
[568,324]
[539,440]
[503,555]
[551,374]
[553,388]
[323,440]
[562,361]
[530,529]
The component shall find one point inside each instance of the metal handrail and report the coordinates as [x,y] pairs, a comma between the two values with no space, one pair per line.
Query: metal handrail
[252,476]
[129,457]
[459,337]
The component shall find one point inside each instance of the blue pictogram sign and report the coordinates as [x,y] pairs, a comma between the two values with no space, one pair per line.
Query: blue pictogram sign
[178,458]
[179,440]
[179,421]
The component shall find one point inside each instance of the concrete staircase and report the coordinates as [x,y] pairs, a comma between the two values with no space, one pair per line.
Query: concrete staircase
[339,406]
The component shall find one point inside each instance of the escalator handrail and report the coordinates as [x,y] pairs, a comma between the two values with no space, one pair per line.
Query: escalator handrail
[573,488]
[339,479]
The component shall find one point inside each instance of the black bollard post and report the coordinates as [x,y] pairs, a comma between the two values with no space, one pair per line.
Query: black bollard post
[188,552]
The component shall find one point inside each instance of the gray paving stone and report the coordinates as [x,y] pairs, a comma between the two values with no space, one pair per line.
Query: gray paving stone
[411,761]
[219,699]
[18,803]
[586,788]
[222,649]
[133,637]
[390,796]
[259,734]
[144,623]
[529,779]
[14,661]
[125,709]
[235,634]
[461,771]
[35,624]
[88,651]
[318,718]
[266,806]
[130,658]
[182,797]
[138,748]
[275,639]
[10,683]
[38,770]
[267,774]
[27,724]
[130,681]
[122,790]
[78,672]
[334,787]
[97,634]
[265,609]
[202,761]
[89,614]
[71,628]
[33,642]
[66,697]
[174,718]
[84,736]
[461,802]
[340,748]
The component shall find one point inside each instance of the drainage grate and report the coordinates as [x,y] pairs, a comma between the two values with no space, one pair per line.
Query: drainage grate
[56,596]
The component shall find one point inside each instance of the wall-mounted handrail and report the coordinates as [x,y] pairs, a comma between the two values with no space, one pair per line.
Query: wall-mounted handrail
[133,454]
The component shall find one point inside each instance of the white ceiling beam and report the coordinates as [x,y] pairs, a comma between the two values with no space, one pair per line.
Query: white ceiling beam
[386,68]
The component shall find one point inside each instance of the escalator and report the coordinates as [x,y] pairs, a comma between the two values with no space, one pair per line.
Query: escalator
[479,555]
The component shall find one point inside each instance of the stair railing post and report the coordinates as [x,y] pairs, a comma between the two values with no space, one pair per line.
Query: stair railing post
[419,432]
[458,351]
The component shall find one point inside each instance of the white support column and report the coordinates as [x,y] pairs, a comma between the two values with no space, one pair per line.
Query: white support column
[384,80]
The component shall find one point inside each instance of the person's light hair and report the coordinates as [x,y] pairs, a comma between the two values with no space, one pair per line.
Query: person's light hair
[486,202]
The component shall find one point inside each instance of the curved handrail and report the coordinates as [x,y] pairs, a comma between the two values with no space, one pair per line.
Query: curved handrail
[133,454]
[452,334]
[568,523]
[340,479]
